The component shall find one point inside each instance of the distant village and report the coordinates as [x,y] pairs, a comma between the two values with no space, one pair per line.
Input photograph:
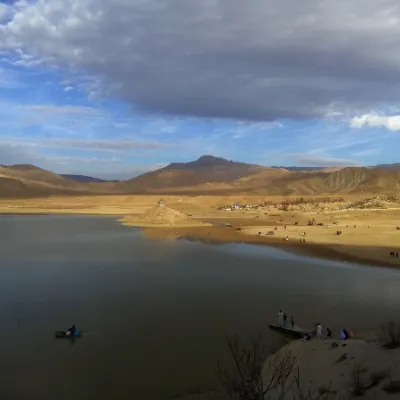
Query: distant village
[322,203]
[237,206]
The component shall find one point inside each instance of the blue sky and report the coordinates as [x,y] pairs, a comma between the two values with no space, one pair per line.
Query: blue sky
[73,101]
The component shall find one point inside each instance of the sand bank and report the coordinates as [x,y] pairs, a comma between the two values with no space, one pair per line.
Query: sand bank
[368,236]
[323,366]
[359,254]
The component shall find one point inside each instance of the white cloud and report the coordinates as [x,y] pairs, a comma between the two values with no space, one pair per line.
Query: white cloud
[49,109]
[68,88]
[107,145]
[376,121]
[14,152]
[312,160]
[118,145]
[253,60]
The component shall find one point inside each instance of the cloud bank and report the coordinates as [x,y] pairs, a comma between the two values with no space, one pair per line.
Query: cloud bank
[251,60]
[374,120]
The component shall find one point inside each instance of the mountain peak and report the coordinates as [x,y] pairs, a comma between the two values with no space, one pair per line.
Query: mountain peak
[23,167]
[208,159]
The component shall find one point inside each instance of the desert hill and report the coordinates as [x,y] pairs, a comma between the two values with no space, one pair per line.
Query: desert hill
[207,175]
[30,181]
[205,170]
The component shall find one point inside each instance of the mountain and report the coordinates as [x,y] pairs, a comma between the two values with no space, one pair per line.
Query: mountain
[23,180]
[207,175]
[212,175]
[395,166]
[297,169]
[351,180]
[82,178]
[206,170]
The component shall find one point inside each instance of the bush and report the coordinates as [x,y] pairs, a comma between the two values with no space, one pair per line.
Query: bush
[358,384]
[390,335]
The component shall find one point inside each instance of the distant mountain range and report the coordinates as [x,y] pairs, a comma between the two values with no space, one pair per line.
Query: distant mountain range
[82,178]
[395,166]
[207,175]
[293,168]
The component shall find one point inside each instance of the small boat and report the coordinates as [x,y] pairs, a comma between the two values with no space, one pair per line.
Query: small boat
[297,332]
[67,335]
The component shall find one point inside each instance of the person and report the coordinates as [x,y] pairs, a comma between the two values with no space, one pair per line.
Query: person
[328,332]
[319,331]
[292,321]
[72,330]
[284,320]
[280,318]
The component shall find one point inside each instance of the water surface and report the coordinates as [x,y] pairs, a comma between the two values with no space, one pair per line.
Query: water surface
[155,312]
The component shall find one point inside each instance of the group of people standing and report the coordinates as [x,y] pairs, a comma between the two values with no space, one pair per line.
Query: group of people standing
[320,333]
[282,319]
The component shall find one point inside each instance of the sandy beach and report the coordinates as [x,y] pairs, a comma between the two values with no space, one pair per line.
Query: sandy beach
[335,365]
[367,235]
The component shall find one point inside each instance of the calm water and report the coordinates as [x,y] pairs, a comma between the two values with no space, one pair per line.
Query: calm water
[155,312]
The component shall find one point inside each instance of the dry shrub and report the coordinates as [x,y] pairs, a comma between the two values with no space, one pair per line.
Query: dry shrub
[390,335]
[358,381]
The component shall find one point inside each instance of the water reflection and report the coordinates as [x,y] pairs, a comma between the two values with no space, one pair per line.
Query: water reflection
[155,312]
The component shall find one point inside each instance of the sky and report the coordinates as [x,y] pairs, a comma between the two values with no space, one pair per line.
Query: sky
[115,88]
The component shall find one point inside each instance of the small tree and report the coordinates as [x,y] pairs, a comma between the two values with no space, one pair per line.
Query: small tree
[244,381]
[250,379]
[390,333]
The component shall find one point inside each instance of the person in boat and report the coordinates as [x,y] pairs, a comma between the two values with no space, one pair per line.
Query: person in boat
[72,330]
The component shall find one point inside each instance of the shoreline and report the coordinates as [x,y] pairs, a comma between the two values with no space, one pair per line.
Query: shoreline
[207,231]
[217,236]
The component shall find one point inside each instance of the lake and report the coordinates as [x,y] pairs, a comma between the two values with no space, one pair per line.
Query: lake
[155,313]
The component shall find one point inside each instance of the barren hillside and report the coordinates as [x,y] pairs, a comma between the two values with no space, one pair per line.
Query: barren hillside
[207,175]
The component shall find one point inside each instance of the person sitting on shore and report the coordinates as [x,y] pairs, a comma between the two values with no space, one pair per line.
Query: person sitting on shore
[328,332]
[344,334]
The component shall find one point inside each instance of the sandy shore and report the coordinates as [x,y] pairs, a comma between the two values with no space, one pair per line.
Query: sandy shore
[368,236]
[324,367]
[360,254]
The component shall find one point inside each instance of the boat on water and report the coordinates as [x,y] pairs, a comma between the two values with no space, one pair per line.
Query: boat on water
[295,331]
[67,334]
